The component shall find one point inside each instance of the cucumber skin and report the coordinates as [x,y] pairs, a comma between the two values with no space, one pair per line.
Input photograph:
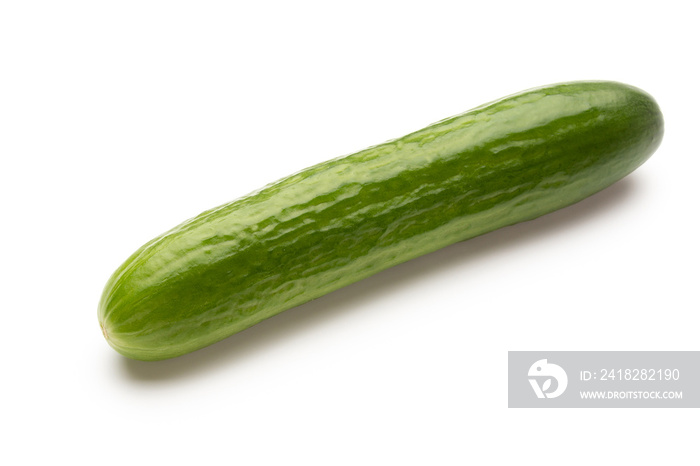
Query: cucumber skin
[343,220]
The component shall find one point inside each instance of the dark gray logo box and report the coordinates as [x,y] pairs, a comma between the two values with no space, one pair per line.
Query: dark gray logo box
[604,379]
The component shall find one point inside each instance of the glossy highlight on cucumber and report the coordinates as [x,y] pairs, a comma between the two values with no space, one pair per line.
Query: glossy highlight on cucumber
[346,219]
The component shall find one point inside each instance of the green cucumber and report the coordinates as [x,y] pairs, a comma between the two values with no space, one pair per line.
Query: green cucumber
[343,220]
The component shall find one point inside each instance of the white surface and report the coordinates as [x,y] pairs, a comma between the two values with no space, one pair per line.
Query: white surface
[118,120]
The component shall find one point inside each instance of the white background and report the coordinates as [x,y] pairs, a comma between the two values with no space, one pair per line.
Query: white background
[119,120]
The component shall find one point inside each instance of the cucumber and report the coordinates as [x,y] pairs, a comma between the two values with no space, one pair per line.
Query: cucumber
[343,220]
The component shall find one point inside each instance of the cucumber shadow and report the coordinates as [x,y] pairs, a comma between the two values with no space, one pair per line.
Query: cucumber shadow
[274,331]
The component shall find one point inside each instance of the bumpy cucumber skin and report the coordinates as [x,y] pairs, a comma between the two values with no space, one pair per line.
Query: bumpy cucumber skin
[348,218]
